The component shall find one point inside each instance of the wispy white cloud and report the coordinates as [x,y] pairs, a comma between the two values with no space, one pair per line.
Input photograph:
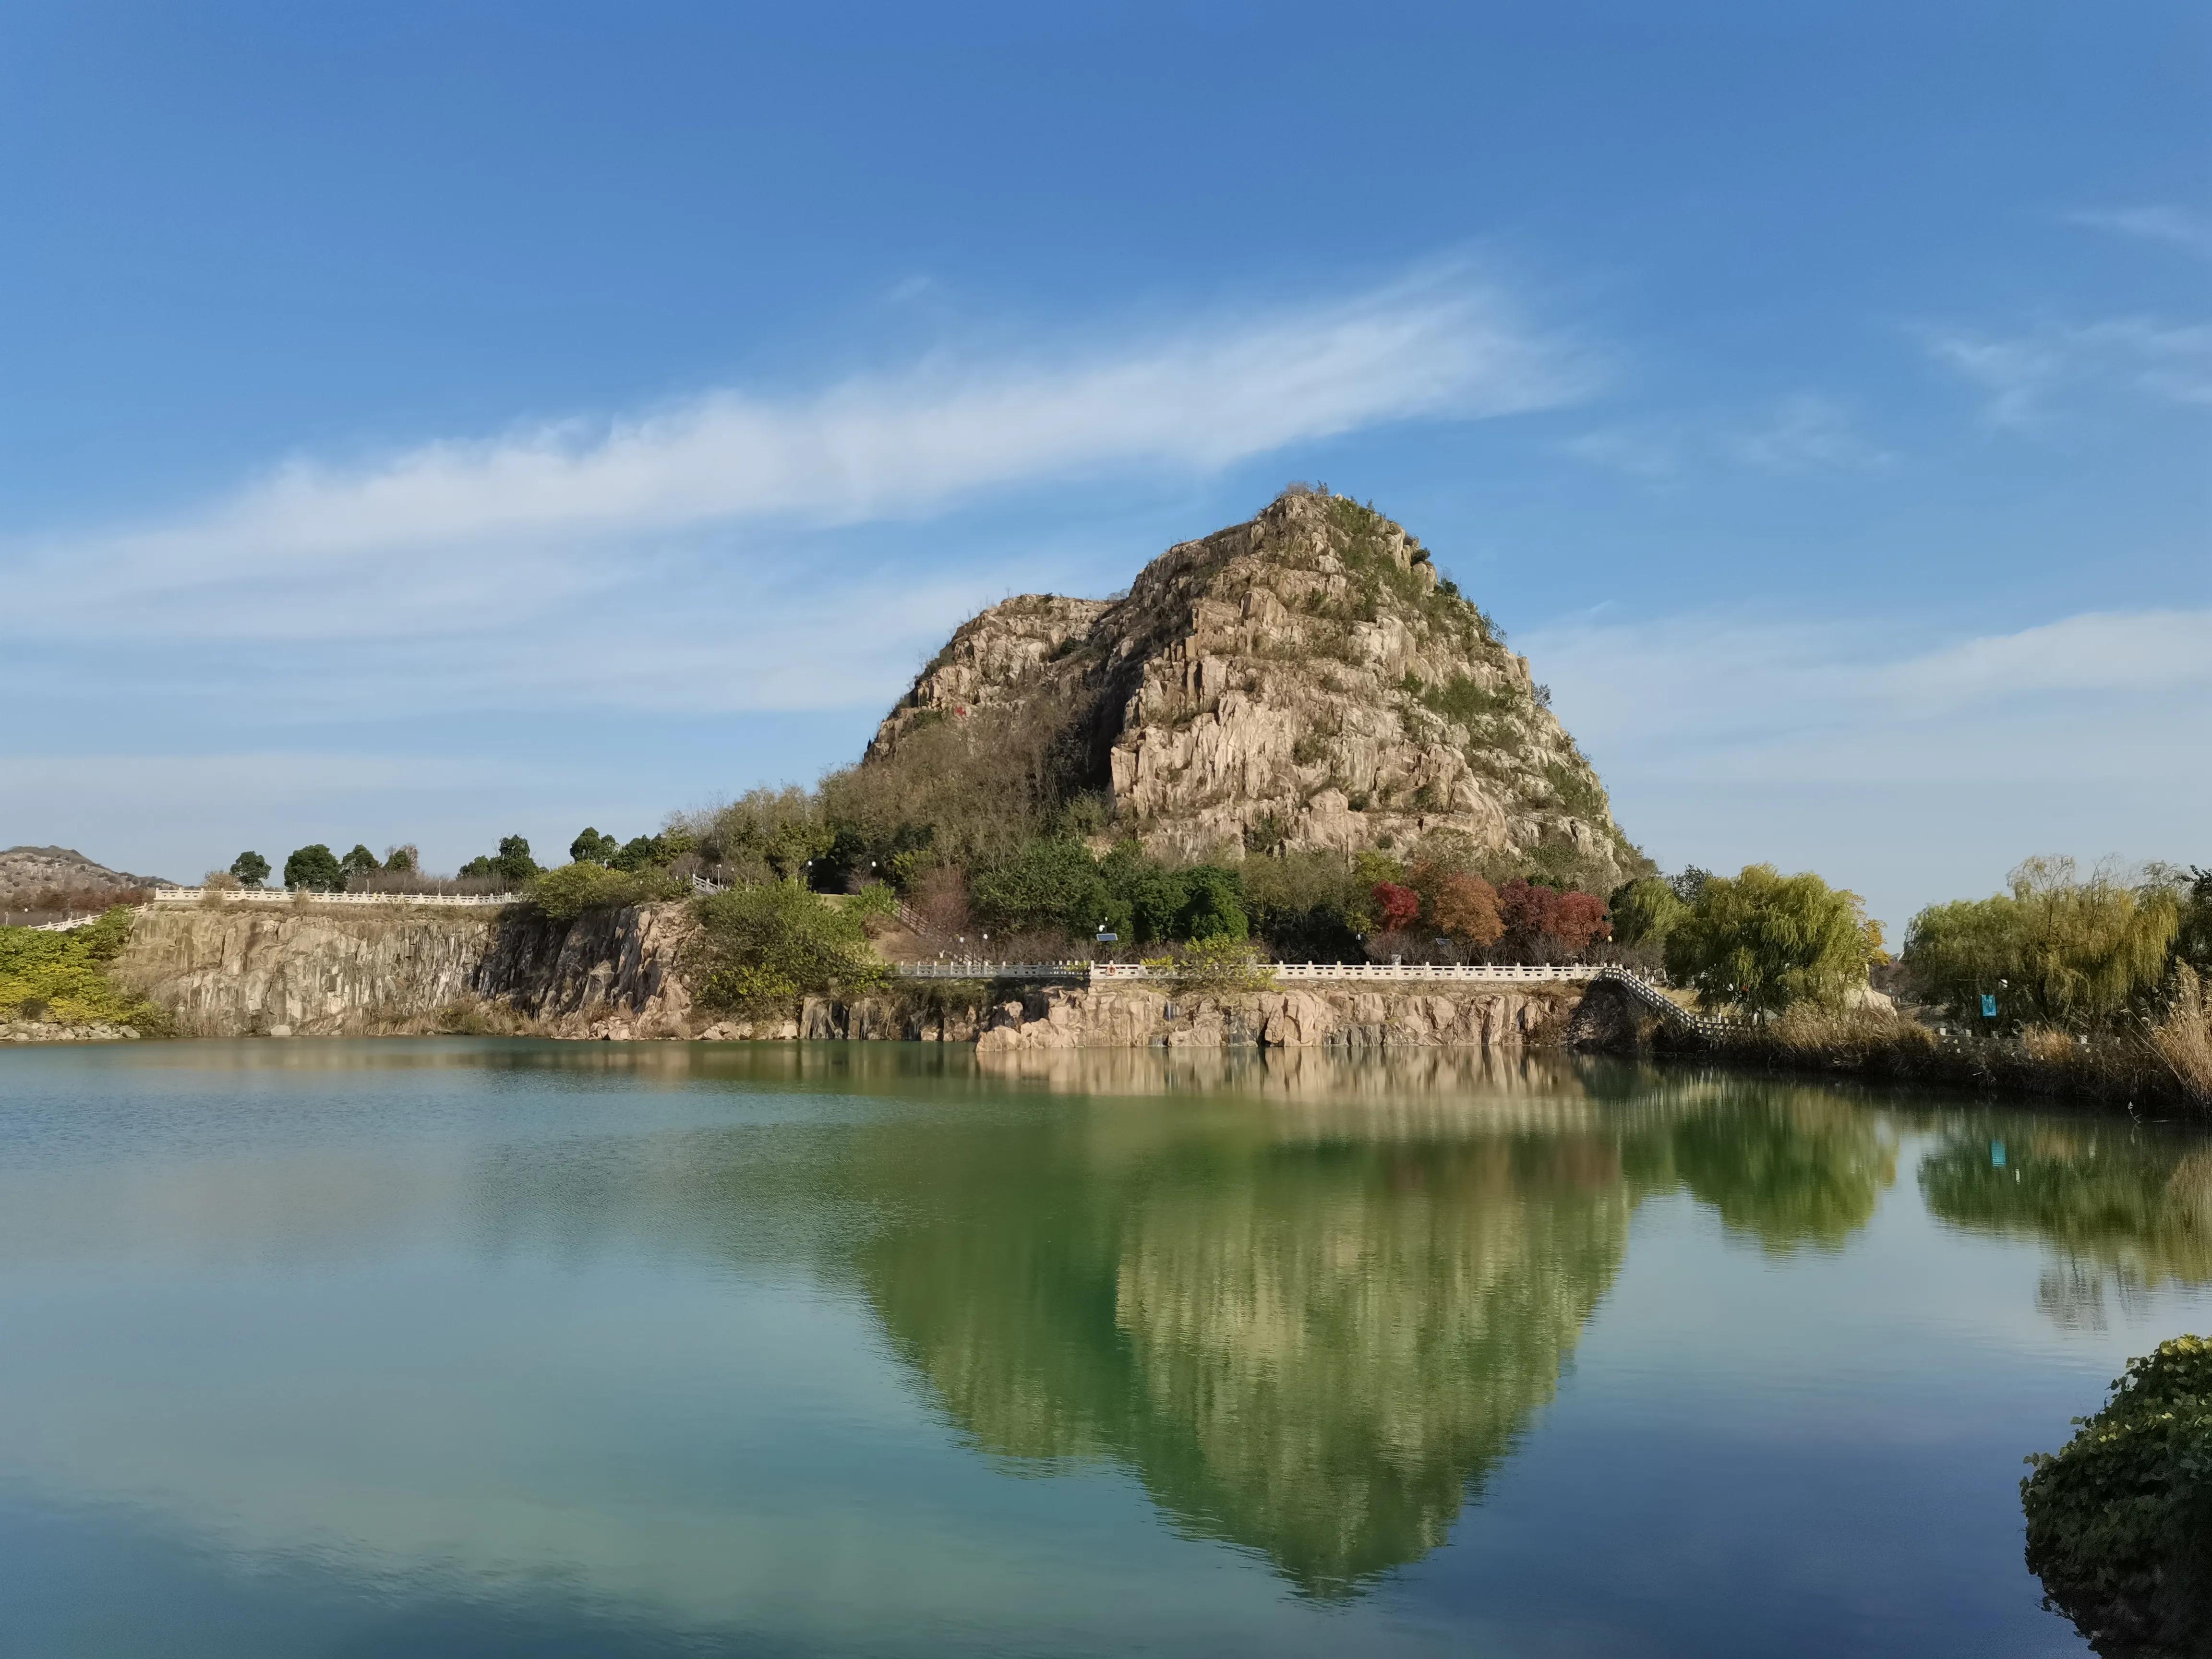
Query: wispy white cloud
[2157,222]
[1805,432]
[709,556]
[2021,374]
[894,445]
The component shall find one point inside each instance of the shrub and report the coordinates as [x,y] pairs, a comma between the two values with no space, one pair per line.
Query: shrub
[313,869]
[63,978]
[1307,903]
[2120,1520]
[1460,700]
[569,891]
[251,868]
[1213,907]
[1219,964]
[1764,940]
[760,948]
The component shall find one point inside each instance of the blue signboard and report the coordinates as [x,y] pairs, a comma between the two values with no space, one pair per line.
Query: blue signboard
[1988,1007]
[1109,939]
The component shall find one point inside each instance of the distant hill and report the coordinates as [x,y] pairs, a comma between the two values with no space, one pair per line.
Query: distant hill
[63,876]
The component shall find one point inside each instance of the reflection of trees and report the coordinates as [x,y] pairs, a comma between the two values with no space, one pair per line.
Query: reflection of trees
[1306,1348]
[1792,1167]
[2119,1204]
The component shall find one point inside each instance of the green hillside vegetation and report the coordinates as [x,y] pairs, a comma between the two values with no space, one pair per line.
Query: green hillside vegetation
[62,978]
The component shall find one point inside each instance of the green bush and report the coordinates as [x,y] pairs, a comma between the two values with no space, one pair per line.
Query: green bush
[761,948]
[2120,1520]
[569,891]
[251,869]
[63,978]
[1762,940]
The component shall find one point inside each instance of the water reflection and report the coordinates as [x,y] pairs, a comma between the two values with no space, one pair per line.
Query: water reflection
[621,1314]
[1313,1330]
[2126,1209]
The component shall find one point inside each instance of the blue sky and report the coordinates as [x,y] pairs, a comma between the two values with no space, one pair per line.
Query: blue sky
[430,422]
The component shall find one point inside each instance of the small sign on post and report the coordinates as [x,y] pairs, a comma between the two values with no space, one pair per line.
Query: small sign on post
[1989,1005]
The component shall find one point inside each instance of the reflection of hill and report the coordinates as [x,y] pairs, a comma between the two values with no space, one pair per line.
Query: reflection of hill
[1307,1347]
[1306,1302]
[2118,1204]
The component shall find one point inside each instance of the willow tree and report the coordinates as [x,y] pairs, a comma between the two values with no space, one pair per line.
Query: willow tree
[1762,940]
[2058,949]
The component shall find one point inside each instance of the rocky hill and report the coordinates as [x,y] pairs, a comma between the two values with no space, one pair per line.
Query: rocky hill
[1304,679]
[31,873]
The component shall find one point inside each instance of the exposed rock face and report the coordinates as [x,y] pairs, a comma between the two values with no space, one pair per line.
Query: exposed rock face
[248,972]
[608,973]
[1129,1017]
[1303,680]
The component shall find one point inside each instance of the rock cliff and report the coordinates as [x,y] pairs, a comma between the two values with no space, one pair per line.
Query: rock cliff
[1305,679]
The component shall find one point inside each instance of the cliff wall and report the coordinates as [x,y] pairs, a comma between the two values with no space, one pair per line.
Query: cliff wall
[263,971]
[304,972]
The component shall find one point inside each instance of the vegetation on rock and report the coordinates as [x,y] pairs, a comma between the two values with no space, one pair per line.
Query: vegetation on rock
[62,978]
[761,948]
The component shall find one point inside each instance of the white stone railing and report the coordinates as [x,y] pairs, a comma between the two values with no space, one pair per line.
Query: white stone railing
[1298,972]
[286,896]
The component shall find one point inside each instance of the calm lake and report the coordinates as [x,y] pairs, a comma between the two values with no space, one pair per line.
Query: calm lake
[464,1347]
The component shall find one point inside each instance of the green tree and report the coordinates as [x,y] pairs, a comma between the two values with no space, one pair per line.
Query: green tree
[401,861]
[1644,911]
[358,863]
[512,861]
[593,848]
[640,854]
[1764,940]
[2056,949]
[251,869]
[1214,908]
[1053,884]
[314,869]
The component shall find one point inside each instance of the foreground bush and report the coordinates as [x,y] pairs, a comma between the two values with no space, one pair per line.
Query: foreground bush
[761,948]
[62,978]
[2119,1521]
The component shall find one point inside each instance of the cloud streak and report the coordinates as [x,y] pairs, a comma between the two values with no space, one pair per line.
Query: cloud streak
[887,446]
[2022,375]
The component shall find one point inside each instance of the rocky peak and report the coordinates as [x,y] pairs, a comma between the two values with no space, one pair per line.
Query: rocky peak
[1303,679]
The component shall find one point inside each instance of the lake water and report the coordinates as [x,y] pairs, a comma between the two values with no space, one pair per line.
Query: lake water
[464,1347]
